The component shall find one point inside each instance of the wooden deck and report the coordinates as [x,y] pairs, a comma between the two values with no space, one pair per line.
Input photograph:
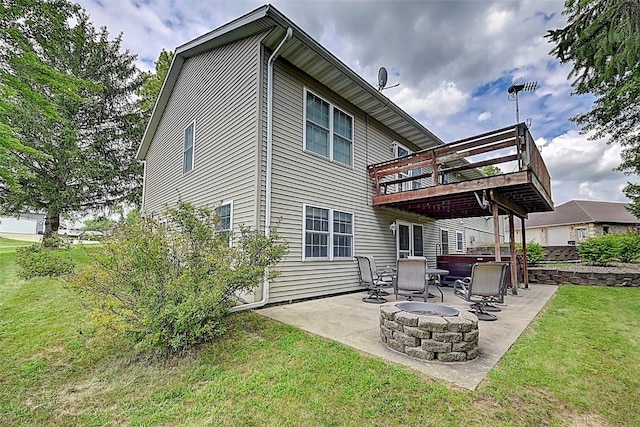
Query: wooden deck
[423,182]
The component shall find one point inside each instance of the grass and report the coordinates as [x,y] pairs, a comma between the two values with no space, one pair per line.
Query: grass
[579,364]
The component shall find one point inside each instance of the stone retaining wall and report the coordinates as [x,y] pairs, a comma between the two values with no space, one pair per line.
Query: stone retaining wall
[428,337]
[548,276]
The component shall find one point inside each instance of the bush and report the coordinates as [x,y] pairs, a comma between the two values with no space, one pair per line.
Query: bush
[629,247]
[170,287]
[535,252]
[601,250]
[38,261]
[606,249]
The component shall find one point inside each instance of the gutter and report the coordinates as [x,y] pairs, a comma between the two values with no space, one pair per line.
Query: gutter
[267,215]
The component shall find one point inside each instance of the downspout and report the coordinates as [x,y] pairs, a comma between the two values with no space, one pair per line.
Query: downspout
[267,213]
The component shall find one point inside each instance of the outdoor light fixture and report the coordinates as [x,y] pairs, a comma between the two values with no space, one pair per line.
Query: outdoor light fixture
[392,227]
[517,87]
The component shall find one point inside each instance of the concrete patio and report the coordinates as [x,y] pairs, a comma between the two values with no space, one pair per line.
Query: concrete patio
[358,327]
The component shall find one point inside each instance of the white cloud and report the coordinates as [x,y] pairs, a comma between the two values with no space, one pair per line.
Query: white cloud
[484,116]
[445,100]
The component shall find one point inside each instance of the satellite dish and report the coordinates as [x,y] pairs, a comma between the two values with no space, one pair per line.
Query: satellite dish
[382,78]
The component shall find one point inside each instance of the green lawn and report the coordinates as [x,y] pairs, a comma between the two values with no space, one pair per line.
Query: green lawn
[579,364]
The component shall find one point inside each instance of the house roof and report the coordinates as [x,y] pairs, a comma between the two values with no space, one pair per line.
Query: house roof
[583,211]
[308,55]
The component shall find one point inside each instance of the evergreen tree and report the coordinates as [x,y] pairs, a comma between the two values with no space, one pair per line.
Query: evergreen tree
[602,41]
[69,125]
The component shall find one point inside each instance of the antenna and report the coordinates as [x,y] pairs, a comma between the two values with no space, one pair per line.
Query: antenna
[517,87]
[382,79]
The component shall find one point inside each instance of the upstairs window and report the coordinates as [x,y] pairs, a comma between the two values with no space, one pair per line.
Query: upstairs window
[328,130]
[189,146]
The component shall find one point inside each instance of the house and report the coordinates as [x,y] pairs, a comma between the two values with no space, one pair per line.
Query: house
[25,223]
[576,220]
[259,119]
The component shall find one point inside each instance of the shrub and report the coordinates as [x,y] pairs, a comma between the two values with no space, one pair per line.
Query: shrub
[606,249]
[601,250]
[39,261]
[629,247]
[170,287]
[535,252]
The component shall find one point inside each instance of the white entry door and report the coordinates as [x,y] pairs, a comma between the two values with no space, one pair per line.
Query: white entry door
[409,240]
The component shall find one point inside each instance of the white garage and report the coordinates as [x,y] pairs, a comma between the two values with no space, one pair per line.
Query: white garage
[18,225]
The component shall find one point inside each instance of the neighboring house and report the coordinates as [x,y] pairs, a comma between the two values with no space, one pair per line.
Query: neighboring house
[577,220]
[25,223]
[259,119]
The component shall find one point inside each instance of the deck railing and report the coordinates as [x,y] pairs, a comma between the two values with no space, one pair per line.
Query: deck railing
[448,163]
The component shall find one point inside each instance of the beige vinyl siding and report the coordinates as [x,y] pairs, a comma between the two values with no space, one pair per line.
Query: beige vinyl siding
[301,177]
[219,90]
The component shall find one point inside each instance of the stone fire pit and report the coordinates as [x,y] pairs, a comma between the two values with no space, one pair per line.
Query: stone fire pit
[429,331]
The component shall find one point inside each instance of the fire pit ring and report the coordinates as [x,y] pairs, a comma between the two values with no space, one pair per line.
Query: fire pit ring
[427,308]
[429,331]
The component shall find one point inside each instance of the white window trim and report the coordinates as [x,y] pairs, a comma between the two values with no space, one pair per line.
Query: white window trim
[230,203]
[331,108]
[230,230]
[448,241]
[409,185]
[193,148]
[459,241]
[329,256]
[410,225]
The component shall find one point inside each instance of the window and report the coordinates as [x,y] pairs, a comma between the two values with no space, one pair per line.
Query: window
[189,145]
[401,151]
[327,228]
[224,210]
[459,241]
[328,131]
[409,239]
[444,242]
[225,220]
[581,234]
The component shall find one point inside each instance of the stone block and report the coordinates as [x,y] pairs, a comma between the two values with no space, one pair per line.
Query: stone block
[447,336]
[454,356]
[383,338]
[433,323]
[471,317]
[471,336]
[395,345]
[418,353]
[388,311]
[464,346]
[472,354]
[436,346]
[417,332]
[406,339]
[393,325]
[386,331]
[406,318]
[459,324]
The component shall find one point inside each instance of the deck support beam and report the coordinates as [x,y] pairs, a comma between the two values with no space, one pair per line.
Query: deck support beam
[514,262]
[524,255]
[496,231]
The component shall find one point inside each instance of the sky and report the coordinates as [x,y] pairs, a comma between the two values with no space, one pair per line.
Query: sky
[453,60]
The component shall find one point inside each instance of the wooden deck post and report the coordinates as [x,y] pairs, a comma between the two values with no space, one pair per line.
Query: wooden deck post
[496,230]
[512,249]
[524,255]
